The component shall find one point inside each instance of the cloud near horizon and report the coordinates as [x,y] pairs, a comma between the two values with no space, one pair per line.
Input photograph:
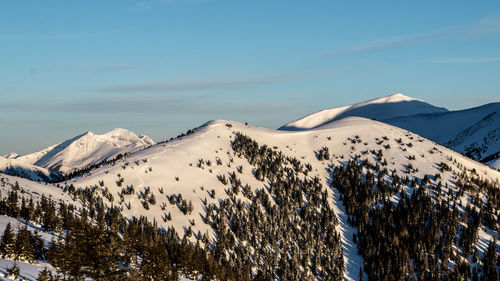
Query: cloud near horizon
[199,85]
[104,68]
[130,105]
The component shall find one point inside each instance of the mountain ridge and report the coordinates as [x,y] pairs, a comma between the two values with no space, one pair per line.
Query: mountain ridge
[449,128]
[190,166]
[83,150]
[206,184]
[379,108]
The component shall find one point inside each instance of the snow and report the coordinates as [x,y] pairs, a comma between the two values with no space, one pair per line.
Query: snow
[10,155]
[379,108]
[34,189]
[482,139]
[464,130]
[86,149]
[352,261]
[27,271]
[17,223]
[179,158]
[159,167]
[31,171]
[494,164]
[445,126]
[476,129]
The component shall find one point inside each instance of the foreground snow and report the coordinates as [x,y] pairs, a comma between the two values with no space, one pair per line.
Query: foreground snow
[28,271]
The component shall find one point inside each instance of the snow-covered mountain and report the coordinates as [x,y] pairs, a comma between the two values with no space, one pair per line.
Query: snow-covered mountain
[380,108]
[445,126]
[85,150]
[194,165]
[205,184]
[473,132]
[10,155]
[12,166]
[481,141]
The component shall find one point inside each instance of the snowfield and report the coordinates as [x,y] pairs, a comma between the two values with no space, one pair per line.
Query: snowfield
[172,168]
[191,167]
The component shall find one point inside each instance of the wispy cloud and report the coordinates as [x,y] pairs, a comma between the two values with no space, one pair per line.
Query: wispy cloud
[148,4]
[61,36]
[481,27]
[107,68]
[150,100]
[247,82]
[464,60]
[151,105]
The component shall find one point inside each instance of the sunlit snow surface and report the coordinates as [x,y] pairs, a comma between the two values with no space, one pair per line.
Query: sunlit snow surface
[172,167]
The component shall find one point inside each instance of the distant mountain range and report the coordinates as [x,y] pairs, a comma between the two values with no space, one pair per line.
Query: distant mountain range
[73,154]
[474,132]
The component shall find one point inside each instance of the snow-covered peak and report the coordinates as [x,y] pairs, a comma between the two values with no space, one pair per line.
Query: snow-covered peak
[10,155]
[122,137]
[147,140]
[398,97]
[120,134]
[380,108]
[87,149]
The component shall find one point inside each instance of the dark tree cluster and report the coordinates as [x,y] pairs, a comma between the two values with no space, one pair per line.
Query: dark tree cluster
[416,237]
[59,177]
[23,245]
[97,242]
[286,231]
[28,174]
[187,133]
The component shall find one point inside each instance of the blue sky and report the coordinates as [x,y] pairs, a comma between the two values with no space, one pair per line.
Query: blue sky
[160,67]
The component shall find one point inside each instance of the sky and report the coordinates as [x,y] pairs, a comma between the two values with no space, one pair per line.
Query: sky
[161,67]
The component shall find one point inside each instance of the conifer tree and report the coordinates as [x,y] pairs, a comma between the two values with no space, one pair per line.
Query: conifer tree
[156,264]
[14,270]
[23,246]
[361,277]
[489,262]
[7,244]
[38,246]
[45,275]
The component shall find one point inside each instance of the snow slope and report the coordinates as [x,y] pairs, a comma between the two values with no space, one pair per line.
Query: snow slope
[29,189]
[86,149]
[474,132]
[28,271]
[444,127]
[34,189]
[14,166]
[481,141]
[379,108]
[10,155]
[171,168]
